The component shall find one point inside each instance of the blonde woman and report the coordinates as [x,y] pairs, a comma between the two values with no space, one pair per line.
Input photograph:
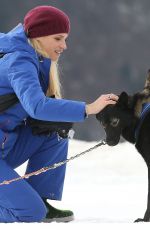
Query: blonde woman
[28,69]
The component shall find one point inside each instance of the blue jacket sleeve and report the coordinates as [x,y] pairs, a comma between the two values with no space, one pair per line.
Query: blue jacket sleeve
[23,77]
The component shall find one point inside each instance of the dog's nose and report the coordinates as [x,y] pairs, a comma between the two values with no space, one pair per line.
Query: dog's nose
[111,142]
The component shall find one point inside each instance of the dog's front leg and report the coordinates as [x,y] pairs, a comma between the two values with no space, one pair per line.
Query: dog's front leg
[147,213]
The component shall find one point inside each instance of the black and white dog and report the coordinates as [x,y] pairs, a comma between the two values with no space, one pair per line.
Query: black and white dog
[130,118]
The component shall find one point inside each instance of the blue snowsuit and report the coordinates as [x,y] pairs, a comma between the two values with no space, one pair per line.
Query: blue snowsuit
[22,72]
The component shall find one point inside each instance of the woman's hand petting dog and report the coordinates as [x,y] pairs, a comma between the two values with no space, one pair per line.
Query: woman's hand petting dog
[100,103]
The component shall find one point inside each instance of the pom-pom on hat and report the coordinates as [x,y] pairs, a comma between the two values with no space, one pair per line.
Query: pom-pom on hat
[45,20]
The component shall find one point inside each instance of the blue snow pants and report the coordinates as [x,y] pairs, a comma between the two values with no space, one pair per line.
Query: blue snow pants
[21,201]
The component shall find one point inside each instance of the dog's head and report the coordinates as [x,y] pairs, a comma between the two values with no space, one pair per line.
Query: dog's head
[117,118]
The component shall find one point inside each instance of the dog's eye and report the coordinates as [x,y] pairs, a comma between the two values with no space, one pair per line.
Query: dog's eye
[114,122]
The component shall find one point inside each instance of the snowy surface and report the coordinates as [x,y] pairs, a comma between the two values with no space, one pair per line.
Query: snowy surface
[106,189]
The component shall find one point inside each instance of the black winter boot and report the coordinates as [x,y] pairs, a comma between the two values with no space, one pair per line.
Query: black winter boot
[54,214]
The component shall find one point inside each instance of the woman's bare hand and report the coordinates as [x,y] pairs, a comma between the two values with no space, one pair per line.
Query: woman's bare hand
[100,103]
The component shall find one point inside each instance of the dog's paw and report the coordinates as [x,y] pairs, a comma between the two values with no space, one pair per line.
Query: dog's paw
[139,220]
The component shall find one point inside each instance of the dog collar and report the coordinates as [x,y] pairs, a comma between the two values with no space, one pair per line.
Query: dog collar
[144,112]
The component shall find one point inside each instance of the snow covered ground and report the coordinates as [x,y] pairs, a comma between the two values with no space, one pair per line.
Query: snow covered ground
[106,189]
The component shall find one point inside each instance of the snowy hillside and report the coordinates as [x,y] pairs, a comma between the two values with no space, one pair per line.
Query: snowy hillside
[105,187]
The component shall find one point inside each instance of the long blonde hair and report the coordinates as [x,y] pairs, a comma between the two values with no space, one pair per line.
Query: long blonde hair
[54,87]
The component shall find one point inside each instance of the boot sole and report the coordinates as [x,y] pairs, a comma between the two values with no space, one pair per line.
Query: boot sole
[59,220]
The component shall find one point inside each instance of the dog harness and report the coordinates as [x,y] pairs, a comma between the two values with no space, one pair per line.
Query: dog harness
[144,113]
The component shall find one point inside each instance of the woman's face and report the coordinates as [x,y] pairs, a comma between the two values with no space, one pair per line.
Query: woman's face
[54,45]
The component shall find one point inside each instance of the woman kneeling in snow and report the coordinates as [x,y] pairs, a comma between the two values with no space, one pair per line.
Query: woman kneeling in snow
[28,69]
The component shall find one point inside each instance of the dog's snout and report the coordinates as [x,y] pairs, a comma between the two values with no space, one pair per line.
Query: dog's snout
[111,143]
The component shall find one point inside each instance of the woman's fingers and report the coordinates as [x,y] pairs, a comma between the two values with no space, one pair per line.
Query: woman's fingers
[111,102]
[112,97]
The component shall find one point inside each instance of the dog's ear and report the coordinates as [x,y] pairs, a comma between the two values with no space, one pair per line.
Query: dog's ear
[123,100]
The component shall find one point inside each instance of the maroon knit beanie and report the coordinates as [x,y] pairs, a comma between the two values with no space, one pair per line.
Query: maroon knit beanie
[45,20]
